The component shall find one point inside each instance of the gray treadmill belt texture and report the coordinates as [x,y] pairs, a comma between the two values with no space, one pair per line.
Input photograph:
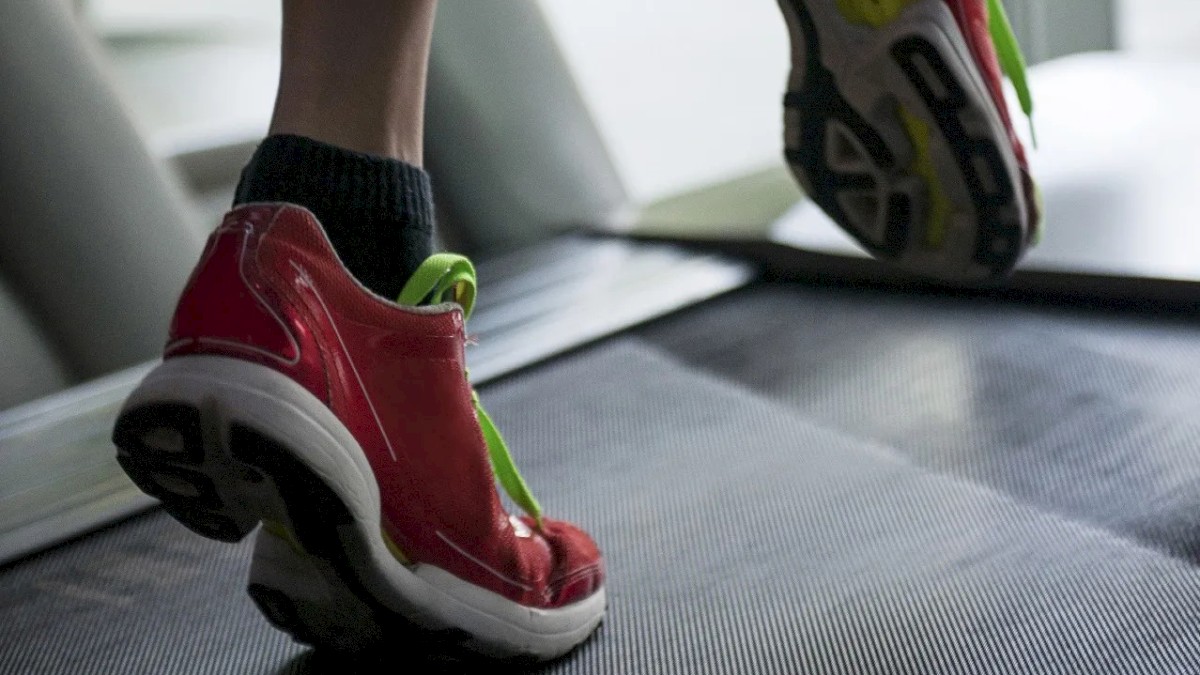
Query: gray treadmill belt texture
[1094,416]
[739,538]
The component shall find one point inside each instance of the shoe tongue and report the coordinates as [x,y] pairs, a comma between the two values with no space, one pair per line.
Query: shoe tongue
[443,277]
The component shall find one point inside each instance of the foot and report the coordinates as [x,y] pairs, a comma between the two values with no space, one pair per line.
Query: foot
[896,125]
[292,396]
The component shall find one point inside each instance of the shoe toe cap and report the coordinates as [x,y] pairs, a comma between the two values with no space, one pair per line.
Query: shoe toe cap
[578,569]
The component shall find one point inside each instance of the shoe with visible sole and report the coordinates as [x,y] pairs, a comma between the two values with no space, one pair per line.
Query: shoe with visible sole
[897,127]
[344,422]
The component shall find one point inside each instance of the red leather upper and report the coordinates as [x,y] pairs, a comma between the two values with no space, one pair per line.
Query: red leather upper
[269,289]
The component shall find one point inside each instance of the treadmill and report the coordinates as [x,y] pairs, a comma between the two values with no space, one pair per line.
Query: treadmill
[795,460]
[785,478]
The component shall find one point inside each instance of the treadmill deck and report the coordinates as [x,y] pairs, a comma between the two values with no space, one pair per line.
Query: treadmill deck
[788,479]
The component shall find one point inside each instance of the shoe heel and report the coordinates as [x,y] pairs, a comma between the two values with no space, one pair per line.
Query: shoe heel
[222,444]
[190,439]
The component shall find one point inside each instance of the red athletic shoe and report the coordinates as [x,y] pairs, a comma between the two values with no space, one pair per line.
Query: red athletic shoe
[896,125]
[291,395]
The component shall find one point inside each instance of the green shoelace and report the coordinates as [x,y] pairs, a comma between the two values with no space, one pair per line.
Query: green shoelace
[450,277]
[1012,62]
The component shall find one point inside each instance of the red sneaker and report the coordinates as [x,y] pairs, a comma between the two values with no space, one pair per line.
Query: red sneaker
[897,126]
[291,395]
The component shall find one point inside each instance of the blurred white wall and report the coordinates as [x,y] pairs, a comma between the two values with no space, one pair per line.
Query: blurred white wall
[1160,27]
[686,92]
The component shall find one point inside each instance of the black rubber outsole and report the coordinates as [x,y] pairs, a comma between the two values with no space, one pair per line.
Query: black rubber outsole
[999,241]
[163,448]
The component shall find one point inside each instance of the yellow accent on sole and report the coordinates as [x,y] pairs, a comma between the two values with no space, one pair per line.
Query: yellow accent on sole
[281,531]
[873,13]
[940,207]
[394,549]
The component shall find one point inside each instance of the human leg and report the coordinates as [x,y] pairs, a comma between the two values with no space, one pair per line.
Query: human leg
[338,416]
[346,134]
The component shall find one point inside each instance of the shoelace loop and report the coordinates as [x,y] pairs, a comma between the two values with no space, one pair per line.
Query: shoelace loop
[451,277]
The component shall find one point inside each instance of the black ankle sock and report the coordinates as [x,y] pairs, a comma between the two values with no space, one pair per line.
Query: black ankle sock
[378,212]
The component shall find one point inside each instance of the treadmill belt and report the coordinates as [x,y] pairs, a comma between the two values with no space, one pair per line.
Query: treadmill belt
[1094,416]
[740,538]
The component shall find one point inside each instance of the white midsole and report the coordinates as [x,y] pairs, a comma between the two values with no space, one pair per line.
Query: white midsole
[278,407]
